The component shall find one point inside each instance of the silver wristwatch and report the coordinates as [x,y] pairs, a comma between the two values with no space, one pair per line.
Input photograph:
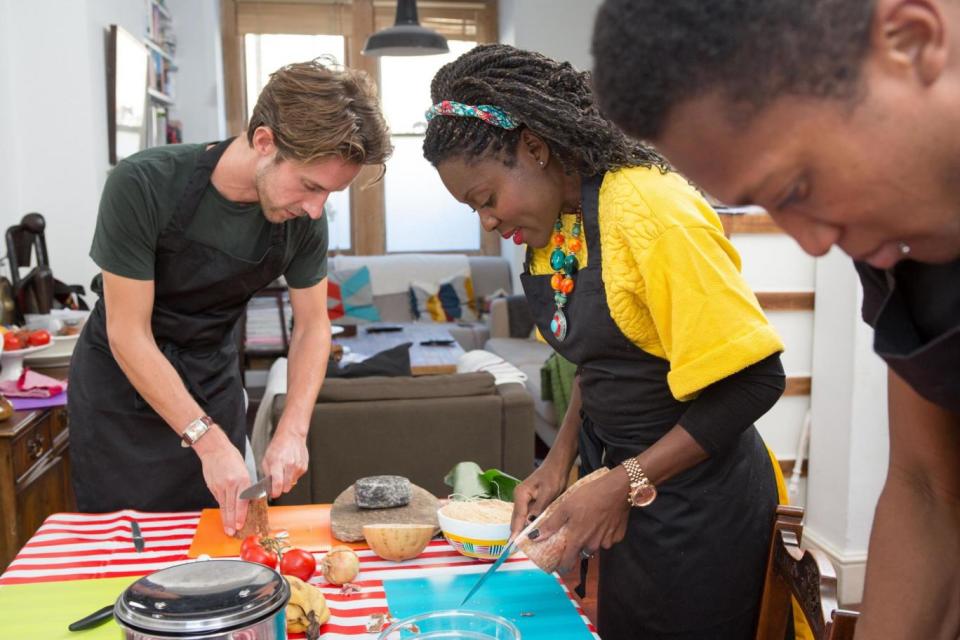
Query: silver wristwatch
[195,431]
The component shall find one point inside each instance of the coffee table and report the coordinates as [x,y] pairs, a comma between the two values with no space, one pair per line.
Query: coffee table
[424,359]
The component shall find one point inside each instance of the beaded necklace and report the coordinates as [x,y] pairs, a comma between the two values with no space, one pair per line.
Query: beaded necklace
[564,267]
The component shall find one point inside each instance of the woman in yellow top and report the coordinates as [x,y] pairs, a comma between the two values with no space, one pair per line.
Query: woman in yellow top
[628,275]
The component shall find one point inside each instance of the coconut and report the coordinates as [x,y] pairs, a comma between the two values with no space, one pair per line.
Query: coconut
[546,554]
[398,541]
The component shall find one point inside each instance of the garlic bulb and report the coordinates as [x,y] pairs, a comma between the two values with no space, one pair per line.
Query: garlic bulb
[340,565]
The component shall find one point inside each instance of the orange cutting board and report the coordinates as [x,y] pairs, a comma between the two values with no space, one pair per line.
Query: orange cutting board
[307,526]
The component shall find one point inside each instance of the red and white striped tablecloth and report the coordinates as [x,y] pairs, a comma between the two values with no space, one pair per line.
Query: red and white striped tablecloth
[75,546]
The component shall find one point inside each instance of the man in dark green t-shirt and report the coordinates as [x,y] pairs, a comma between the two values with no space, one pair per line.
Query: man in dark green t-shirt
[185,235]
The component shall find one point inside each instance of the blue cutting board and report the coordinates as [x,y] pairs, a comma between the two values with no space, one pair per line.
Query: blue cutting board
[507,593]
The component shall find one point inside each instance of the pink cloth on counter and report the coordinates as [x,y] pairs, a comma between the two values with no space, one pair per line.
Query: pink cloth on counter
[31,384]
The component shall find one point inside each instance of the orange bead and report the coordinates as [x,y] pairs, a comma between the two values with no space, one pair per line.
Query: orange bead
[566,286]
[574,245]
[558,240]
[556,281]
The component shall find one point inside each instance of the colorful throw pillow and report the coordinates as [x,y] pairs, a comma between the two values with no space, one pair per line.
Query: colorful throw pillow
[450,301]
[350,297]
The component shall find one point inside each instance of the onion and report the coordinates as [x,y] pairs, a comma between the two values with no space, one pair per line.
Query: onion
[341,565]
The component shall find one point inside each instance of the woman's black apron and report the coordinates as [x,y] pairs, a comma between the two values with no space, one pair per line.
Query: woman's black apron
[123,455]
[692,564]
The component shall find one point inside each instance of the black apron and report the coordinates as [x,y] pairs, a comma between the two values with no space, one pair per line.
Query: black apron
[123,455]
[692,563]
[917,326]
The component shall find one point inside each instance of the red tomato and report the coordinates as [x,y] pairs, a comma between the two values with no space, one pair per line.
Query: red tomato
[256,553]
[38,338]
[299,563]
[253,540]
[12,342]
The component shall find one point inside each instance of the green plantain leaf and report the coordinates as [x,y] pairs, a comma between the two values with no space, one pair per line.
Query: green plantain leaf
[468,481]
[501,484]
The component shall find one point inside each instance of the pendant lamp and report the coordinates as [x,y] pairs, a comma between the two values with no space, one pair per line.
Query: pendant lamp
[406,37]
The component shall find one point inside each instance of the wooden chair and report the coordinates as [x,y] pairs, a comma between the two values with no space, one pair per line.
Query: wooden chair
[809,577]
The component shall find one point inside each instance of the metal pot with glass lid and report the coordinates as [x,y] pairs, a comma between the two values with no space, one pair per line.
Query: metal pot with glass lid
[208,600]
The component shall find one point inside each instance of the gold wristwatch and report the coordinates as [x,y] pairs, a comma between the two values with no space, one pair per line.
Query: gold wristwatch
[642,492]
[195,431]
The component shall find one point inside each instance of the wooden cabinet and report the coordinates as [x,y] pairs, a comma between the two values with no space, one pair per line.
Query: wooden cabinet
[34,475]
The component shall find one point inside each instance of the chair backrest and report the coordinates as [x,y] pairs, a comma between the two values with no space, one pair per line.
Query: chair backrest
[807,576]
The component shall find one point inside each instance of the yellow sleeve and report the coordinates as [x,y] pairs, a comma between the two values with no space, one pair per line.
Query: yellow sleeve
[709,322]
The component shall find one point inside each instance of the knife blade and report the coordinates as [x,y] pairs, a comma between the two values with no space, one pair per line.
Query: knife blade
[506,553]
[137,536]
[257,490]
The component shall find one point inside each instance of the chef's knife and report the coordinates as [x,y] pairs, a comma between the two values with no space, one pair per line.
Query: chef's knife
[257,490]
[137,535]
[506,553]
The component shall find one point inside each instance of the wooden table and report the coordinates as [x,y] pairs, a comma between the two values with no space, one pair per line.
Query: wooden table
[78,562]
[424,359]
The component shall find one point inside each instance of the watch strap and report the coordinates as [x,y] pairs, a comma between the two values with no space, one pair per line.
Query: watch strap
[195,430]
[637,477]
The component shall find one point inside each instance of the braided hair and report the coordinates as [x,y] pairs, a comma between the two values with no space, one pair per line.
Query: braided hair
[551,99]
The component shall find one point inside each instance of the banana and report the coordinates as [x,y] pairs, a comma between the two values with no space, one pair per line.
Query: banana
[307,608]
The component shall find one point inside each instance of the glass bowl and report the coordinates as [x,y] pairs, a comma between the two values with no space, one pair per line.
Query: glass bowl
[451,625]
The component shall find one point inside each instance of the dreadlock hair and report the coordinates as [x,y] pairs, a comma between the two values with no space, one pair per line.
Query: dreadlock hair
[651,55]
[550,98]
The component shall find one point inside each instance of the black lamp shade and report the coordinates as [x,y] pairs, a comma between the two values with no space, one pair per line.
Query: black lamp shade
[406,37]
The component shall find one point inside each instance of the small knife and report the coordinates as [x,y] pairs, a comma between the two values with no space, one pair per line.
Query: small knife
[257,490]
[137,536]
[506,553]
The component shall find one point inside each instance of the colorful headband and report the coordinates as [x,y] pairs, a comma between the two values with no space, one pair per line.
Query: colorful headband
[488,113]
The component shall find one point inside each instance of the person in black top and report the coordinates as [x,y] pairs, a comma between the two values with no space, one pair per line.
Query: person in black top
[840,118]
[186,235]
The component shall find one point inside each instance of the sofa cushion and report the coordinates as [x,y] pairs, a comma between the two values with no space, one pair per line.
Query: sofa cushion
[394,307]
[520,351]
[452,300]
[455,385]
[350,297]
[529,356]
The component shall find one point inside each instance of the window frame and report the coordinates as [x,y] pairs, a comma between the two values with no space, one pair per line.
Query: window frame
[356,20]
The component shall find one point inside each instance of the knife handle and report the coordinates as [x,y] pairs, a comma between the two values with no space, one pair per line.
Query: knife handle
[95,619]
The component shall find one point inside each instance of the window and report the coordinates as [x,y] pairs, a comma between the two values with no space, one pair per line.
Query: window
[409,210]
[421,215]
[264,54]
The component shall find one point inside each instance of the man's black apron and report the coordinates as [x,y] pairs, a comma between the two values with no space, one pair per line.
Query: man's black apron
[692,564]
[123,455]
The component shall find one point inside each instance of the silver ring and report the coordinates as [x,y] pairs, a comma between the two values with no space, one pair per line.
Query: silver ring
[904,248]
[585,555]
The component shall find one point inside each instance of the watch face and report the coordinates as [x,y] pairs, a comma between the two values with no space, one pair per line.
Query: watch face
[643,495]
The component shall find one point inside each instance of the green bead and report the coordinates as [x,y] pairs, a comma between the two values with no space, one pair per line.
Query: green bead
[558,225]
[557,259]
[560,298]
[570,264]
[576,229]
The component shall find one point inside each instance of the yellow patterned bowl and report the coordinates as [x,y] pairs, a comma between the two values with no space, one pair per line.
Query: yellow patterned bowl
[481,540]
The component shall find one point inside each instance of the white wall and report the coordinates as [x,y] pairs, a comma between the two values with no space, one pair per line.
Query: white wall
[53,106]
[560,29]
[199,82]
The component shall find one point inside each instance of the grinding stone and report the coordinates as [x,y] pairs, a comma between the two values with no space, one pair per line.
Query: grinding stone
[347,519]
[382,492]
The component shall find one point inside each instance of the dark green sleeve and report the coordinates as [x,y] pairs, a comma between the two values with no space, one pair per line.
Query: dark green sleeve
[125,239]
[309,265]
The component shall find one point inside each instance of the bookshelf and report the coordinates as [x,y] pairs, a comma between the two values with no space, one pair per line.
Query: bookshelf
[161,43]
